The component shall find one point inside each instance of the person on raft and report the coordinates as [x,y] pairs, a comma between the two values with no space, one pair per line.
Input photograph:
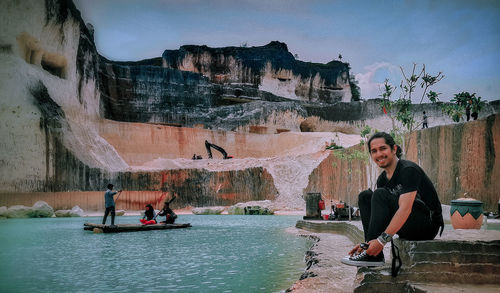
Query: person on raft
[109,202]
[149,217]
[168,213]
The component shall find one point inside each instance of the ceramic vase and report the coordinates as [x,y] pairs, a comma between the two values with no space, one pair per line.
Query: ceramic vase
[466,213]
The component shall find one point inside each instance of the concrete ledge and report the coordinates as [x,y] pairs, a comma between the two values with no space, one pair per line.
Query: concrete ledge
[350,229]
[468,257]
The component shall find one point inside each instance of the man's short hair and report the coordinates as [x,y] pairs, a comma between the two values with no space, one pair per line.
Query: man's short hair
[110,186]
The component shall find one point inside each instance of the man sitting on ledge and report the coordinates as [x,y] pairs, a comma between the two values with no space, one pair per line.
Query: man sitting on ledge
[404,203]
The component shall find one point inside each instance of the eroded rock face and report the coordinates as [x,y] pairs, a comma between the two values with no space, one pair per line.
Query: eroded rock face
[221,88]
[271,68]
[49,107]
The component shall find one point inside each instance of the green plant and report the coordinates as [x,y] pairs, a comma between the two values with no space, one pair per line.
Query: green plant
[401,109]
[477,104]
[461,102]
[455,111]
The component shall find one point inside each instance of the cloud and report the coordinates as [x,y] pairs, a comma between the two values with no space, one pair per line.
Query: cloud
[371,80]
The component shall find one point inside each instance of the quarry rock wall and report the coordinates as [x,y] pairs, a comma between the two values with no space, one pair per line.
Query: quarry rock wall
[274,114]
[271,68]
[156,142]
[50,102]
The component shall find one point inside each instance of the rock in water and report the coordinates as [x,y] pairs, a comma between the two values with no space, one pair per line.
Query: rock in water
[3,211]
[41,209]
[263,207]
[18,211]
[76,211]
[208,211]
[62,213]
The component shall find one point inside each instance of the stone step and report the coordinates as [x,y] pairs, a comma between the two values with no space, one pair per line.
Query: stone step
[457,252]
[483,268]
[453,246]
[380,280]
[406,287]
[452,256]
[445,288]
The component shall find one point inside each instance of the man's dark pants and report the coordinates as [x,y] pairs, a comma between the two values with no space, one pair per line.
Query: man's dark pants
[106,213]
[377,209]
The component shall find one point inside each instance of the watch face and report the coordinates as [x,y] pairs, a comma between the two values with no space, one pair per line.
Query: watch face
[387,237]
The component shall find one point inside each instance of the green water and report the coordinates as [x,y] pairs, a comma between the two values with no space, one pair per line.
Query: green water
[218,254]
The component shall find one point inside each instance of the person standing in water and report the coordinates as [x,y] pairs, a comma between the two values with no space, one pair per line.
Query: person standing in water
[109,202]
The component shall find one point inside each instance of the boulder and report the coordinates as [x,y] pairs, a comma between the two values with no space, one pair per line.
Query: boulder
[63,213]
[76,211]
[19,211]
[208,210]
[263,207]
[3,211]
[41,209]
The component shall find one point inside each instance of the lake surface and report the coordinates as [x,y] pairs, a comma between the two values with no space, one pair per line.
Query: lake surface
[222,253]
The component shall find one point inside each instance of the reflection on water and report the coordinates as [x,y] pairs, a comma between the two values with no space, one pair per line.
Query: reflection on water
[218,254]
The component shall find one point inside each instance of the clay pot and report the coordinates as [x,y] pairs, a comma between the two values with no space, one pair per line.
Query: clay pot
[466,213]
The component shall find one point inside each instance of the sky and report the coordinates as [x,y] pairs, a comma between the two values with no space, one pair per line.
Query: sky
[460,38]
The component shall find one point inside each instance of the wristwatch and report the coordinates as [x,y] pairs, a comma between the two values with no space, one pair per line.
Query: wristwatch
[384,238]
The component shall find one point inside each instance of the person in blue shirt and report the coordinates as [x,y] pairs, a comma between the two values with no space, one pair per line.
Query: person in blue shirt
[110,204]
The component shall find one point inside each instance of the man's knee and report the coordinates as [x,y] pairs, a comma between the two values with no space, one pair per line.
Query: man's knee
[365,197]
[381,193]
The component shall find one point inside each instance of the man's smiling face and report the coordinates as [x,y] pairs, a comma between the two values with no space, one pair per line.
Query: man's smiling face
[381,153]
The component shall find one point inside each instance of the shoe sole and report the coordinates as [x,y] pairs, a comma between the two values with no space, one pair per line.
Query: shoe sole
[358,263]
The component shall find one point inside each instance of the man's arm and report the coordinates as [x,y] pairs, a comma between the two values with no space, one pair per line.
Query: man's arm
[405,202]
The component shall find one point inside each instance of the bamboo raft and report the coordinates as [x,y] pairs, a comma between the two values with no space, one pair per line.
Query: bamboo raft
[131,227]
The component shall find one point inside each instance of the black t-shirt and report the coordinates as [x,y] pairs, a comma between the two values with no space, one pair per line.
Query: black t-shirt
[409,177]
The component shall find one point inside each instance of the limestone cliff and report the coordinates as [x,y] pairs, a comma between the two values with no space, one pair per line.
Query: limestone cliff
[271,68]
[50,103]
[190,89]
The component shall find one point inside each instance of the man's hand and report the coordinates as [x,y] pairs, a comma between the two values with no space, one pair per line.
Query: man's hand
[120,190]
[356,250]
[375,247]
